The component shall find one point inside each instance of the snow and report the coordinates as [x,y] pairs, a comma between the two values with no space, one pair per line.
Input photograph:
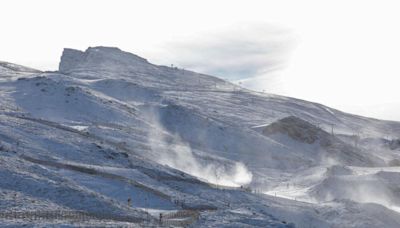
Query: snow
[109,126]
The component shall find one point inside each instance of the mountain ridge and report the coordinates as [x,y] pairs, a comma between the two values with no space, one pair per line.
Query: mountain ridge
[110,126]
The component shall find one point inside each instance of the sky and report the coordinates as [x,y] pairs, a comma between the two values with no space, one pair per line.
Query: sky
[344,54]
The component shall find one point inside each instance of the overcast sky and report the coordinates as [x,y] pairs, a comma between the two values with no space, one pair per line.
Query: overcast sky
[344,54]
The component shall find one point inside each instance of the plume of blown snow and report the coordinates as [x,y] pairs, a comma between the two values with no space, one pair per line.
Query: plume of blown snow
[179,155]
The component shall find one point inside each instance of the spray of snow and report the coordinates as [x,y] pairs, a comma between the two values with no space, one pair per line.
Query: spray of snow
[174,152]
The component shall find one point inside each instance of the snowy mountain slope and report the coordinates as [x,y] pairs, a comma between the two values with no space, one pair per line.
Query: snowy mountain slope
[320,143]
[196,89]
[9,70]
[111,126]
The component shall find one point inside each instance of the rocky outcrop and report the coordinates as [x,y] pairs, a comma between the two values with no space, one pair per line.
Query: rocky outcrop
[98,57]
[295,128]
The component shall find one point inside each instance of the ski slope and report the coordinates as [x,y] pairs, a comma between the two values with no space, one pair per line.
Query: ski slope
[110,126]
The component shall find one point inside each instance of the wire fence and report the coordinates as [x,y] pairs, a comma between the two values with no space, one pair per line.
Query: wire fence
[181,214]
[224,187]
[180,218]
[80,216]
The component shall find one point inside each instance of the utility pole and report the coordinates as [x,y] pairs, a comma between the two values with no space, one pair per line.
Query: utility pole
[357,138]
[332,129]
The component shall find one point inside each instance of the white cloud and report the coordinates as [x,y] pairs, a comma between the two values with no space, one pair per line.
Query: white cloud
[244,51]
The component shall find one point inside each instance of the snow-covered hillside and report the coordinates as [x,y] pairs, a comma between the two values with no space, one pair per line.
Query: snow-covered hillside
[109,127]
